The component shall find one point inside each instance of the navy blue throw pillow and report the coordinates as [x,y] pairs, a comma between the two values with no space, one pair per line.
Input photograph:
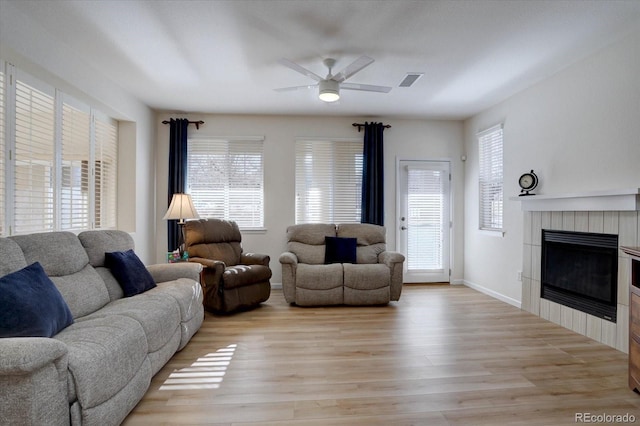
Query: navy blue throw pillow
[130,272]
[340,250]
[31,305]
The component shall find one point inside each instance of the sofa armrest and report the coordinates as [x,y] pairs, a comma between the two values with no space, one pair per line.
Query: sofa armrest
[288,257]
[394,261]
[163,272]
[33,381]
[24,355]
[254,259]
[390,257]
[289,262]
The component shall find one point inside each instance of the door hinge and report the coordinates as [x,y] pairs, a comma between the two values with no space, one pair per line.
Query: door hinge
[449,271]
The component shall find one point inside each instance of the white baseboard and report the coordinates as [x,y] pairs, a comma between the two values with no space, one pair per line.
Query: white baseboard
[276,285]
[493,294]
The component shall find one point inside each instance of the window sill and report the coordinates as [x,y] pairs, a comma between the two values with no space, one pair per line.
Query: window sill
[253,230]
[492,233]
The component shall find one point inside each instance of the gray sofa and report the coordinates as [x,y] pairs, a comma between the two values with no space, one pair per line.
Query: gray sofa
[96,370]
[373,277]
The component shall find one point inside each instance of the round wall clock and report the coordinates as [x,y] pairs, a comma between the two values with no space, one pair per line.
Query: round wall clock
[528,182]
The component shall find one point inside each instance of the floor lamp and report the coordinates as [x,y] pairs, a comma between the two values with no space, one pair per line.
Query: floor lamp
[181,208]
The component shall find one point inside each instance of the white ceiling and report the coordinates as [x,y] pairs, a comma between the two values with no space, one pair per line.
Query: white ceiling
[221,56]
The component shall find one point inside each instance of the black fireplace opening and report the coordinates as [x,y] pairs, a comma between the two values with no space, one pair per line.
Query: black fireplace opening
[580,270]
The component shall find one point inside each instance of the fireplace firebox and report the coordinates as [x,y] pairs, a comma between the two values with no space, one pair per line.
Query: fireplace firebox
[580,270]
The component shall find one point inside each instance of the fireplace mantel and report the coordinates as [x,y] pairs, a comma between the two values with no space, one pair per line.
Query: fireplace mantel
[612,200]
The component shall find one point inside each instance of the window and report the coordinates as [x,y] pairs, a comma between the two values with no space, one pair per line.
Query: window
[491,178]
[59,162]
[225,179]
[328,181]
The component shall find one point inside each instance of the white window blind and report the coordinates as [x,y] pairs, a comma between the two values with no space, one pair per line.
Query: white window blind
[58,162]
[328,181]
[425,221]
[225,179]
[3,153]
[74,176]
[34,159]
[491,178]
[106,172]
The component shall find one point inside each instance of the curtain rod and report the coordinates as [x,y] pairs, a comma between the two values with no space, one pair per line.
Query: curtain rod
[360,126]
[197,123]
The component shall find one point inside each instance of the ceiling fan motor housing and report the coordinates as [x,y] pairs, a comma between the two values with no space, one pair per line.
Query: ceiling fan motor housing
[329,90]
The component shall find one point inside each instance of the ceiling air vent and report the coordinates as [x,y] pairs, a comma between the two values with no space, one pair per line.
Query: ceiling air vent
[410,78]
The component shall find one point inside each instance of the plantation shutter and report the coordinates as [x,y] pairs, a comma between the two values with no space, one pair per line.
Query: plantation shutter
[34,157]
[328,181]
[106,172]
[225,179]
[491,178]
[76,155]
[425,221]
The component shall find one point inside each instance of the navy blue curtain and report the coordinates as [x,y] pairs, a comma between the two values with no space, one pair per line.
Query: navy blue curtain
[177,173]
[373,174]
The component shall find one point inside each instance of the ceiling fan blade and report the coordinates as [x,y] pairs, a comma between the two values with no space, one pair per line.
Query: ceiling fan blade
[294,88]
[365,87]
[357,65]
[287,63]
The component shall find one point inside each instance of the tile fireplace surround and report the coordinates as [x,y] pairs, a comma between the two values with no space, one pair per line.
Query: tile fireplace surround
[613,212]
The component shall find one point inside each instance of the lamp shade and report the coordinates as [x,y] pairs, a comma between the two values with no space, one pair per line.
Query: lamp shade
[181,208]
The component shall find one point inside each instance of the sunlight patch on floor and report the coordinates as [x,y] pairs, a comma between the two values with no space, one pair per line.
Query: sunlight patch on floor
[206,372]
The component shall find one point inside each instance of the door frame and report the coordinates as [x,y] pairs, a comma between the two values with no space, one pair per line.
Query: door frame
[397,224]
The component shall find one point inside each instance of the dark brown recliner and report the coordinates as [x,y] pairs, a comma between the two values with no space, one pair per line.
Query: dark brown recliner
[231,280]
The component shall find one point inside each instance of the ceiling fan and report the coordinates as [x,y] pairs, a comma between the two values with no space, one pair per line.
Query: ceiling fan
[329,87]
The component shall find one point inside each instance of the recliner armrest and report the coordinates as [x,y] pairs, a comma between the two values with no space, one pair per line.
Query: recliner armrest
[390,257]
[209,263]
[254,259]
[288,257]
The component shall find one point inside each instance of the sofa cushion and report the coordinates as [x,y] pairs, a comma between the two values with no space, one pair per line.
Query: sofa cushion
[11,257]
[80,285]
[319,277]
[158,315]
[105,354]
[97,243]
[371,239]
[130,272]
[366,277]
[46,248]
[340,250]
[31,305]
[307,241]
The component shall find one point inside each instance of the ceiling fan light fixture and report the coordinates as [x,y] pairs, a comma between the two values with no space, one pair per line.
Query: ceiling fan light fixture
[329,90]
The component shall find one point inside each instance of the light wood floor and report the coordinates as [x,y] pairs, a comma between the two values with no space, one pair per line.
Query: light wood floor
[440,356]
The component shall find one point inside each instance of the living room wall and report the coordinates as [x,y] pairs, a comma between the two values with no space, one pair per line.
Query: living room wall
[579,130]
[406,139]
